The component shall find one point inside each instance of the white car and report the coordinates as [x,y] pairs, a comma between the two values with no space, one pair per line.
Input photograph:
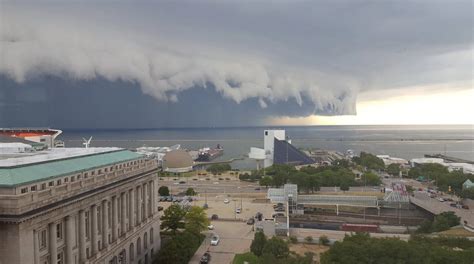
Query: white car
[226,201]
[215,182]
[238,210]
[214,240]
[210,227]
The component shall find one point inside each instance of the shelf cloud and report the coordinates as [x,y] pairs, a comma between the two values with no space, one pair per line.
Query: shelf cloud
[317,56]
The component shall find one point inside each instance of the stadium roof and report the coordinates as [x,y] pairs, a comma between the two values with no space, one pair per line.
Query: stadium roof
[33,172]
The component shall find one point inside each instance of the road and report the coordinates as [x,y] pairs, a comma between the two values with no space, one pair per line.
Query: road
[336,235]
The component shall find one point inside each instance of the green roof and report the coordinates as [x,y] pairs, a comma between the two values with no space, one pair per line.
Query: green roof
[29,173]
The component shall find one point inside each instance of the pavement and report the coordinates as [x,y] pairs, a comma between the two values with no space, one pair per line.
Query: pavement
[336,235]
[234,238]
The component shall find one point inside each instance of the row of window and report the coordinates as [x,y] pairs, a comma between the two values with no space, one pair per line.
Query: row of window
[78,177]
[59,234]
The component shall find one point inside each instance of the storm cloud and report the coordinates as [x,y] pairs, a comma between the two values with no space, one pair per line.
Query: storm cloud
[231,58]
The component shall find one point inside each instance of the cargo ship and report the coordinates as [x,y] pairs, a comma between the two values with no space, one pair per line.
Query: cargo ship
[208,154]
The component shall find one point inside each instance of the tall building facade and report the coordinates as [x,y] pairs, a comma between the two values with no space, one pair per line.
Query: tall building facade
[74,206]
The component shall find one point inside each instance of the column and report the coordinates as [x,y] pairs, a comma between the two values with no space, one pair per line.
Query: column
[36,239]
[82,237]
[131,209]
[105,224]
[94,229]
[114,218]
[145,201]
[53,248]
[123,211]
[139,205]
[69,239]
[152,198]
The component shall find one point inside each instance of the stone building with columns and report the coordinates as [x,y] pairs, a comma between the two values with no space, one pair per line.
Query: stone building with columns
[79,205]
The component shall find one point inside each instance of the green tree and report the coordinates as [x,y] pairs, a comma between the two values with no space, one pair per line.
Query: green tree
[191,192]
[393,169]
[258,243]
[324,240]
[467,193]
[276,247]
[266,181]
[425,227]
[164,191]
[344,186]
[196,220]
[370,178]
[173,218]
[308,239]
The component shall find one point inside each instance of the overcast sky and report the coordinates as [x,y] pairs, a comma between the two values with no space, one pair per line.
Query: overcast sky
[137,64]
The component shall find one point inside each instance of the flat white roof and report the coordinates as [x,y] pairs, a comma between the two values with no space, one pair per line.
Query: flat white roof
[50,155]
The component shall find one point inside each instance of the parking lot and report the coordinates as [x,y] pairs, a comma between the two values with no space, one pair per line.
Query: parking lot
[234,238]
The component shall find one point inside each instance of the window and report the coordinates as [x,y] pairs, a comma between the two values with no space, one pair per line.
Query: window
[132,255]
[58,182]
[59,231]
[78,177]
[86,216]
[43,186]
[66,179]
[51,183]
[151,236]
[33,188]
[85,175]
[73,178]
[139,248]
[100,171]
[92,173]
[24,190]
[266,133]
[106,170]
[60,258]
[42,239]
[145,241]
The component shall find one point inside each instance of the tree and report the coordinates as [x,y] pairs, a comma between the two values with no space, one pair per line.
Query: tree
[467,193]
[173,218]
[276,247]
[308,239]
[196,220]
[324,240]
[371,179]
[164,191]
[344,186]
[266,181]
[258,243]
[191,192]
[425,227]
[393,169]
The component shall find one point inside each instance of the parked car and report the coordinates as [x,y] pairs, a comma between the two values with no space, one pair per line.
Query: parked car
[160,208]
[464,206]
[238,210]
[214,217]
[279,209]
[206,258]
[278,214]
[226,201]
[251,221]
[441,199]
[210,227]
[278,205]
[259,216]
[214,240]
[453,204]
[182,182]
[257,189]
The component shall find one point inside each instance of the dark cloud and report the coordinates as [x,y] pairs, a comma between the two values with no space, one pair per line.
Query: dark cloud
[202,63]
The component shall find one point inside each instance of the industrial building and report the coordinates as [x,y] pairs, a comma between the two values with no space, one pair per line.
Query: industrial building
[278,149]
[77,205]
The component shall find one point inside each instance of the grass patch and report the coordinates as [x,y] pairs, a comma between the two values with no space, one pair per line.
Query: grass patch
[249,257]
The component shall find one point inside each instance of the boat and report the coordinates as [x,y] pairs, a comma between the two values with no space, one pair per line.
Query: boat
[208,154]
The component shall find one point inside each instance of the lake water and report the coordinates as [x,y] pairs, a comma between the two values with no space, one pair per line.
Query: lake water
[398,141]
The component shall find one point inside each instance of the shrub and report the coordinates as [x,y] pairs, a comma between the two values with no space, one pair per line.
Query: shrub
[324,240]
[308,239]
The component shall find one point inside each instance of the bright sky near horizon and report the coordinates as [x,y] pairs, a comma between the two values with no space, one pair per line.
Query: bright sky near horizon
[448,107]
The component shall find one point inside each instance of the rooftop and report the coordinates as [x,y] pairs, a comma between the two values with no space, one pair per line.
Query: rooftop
[54,163]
